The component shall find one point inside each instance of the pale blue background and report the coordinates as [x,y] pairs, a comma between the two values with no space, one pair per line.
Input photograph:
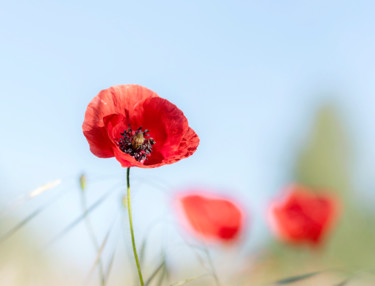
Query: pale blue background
[248,75]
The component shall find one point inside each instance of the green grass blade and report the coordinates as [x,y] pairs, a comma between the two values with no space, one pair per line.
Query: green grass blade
[156,271]
[20,225]
[142,251]
[100,250]
[344,283]
[297,278]
[164,274]
[28,219]
[79,219]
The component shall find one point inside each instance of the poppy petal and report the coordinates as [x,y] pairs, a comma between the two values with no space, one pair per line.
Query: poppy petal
[109,114]
[211,216]
[119,99]
[302,216]
[167,124]
[188,145]
[100,144]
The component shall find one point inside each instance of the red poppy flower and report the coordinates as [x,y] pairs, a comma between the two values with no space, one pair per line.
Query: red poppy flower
[301,216]
[211,216]
[140,129]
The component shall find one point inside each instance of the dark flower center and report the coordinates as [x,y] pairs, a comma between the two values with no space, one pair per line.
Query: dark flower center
[136,143]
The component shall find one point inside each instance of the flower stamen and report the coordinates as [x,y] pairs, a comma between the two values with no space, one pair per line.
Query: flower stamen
[136,144]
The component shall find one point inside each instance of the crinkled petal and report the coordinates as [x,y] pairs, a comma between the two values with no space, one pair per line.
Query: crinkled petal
[167,123]
[119,99]
[169,128]
[188,145]
[113,109]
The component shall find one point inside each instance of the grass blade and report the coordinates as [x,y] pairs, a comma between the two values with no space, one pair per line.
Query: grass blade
[111,260]
[26,197]
[110,264]
[344,283]
[164,273]
[156,271]
[28,219]
[100,250]
[297,278]
[38,191]
[20,225]
[182,282]
[80,218]
[142,251]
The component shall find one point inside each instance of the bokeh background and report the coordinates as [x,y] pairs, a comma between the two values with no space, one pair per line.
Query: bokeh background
[278,92]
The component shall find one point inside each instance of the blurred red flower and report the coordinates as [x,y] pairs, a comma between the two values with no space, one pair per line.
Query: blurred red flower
[140,129]
[301,216]
[211,216]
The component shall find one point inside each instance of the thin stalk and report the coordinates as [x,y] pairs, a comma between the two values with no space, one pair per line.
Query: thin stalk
[210,262]
[94,240]
[131,227]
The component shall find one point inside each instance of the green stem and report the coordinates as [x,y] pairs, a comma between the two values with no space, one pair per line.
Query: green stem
[131,227]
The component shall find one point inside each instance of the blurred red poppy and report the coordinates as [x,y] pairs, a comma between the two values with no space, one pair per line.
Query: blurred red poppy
[211,216]
[301,216]
[140,129]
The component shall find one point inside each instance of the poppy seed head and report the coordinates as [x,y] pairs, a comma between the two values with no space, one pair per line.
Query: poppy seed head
[136,144]
[138,140]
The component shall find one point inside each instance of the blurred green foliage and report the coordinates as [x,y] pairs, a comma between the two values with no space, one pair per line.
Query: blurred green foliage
[325,163]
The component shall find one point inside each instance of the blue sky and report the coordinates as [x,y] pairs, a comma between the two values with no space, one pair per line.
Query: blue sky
[248,75]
